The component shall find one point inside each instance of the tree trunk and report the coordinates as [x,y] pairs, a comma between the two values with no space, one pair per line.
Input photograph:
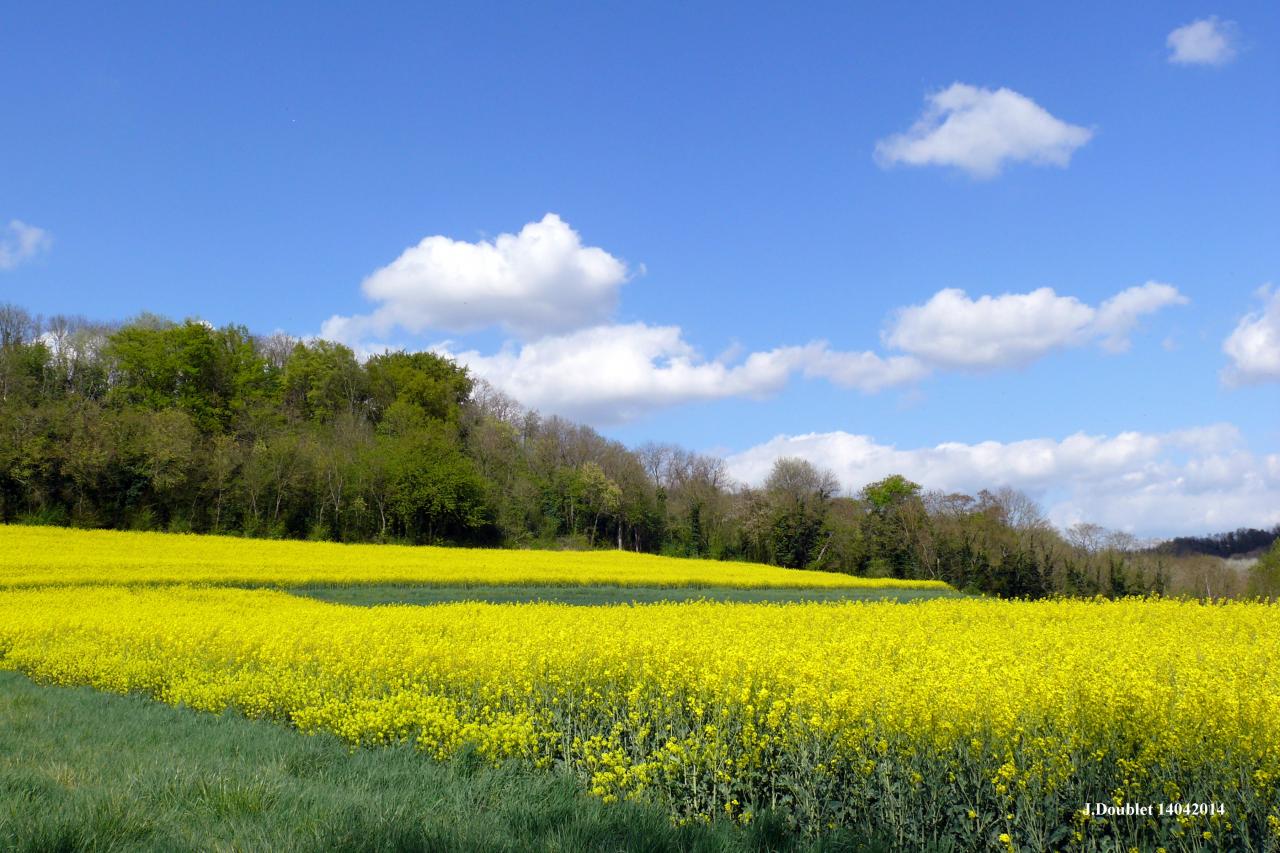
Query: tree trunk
[823,550]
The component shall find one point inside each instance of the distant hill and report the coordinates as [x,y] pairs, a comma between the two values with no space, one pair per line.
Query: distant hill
[1245,542]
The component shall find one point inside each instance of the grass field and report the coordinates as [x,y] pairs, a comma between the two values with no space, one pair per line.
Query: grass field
[37,556]
[83,770]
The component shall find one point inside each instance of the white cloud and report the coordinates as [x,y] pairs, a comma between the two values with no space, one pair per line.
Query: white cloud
[866,371]
[539,281]
[1208,41]
[953,330]
[611,374]
[1117,316]
[1201,479]
[554,295]
[20,242]
[1254,346]
[617,373]
[980,130]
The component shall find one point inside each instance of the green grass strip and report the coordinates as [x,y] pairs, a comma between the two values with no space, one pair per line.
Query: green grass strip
[82,770]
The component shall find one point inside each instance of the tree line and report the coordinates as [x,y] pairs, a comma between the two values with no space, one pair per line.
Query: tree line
[153,424]
[1244,542]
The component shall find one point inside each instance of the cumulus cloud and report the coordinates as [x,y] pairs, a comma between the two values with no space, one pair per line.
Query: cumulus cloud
[20,242]
[980,130]
[952,330]
[541,280]
[955,331]
[616,373]
[553,296]
[610,374]
[1254,346]
[1200,479]
[1116,317]
[1207,41]
[865,371]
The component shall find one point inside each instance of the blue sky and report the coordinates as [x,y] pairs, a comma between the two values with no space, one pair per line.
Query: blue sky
[728,174]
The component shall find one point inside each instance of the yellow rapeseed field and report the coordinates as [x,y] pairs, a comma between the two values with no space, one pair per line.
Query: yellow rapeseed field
[989,723]
[35,556]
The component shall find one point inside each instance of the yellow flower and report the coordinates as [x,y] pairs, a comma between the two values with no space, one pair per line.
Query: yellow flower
[33,555]
[666,702]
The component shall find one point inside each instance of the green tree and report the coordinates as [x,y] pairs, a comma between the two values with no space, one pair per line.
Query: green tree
[222,458]
[430,383]
[797,498]
[435,491]
[601,497]
[213,375]
[323,379]
[168,443]
[894,511]
[1264,575]
[890,493]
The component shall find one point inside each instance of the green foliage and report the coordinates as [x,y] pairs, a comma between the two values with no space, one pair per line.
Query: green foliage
[787,518]
[181,426]
[600,496]
[212,375]
[90,771]
[323,379]
[22,367]
[435,491]
[793,538]
[893,507]
[889,493]
[1264,575]
[429,383]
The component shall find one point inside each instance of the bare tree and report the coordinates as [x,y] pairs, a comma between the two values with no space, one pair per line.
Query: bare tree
[1016,508]
[275,348]
[1087,536]
[657,459]
[1122,541]
[17,326]
[488,401]
[799,480]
